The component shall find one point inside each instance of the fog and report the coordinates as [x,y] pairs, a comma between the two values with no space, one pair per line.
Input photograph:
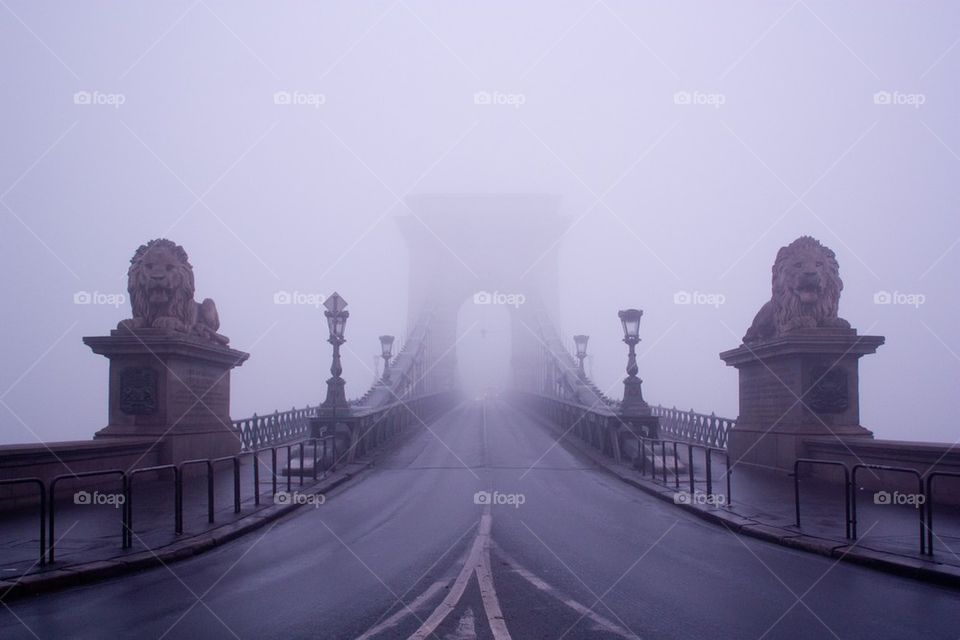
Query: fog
[683,144]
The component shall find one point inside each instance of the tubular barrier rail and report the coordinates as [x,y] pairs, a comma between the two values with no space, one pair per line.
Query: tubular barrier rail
[928,503]
[235,461]
[640,463]
[209,465]
[882,467]
[323,452]
[43,511]
[128,503]
[846,488]
[86,474]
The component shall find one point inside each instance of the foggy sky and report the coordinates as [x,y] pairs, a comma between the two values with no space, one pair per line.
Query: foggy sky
[661,197]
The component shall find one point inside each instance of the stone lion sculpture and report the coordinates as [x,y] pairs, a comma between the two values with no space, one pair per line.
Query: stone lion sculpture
[160,284]
[806,292]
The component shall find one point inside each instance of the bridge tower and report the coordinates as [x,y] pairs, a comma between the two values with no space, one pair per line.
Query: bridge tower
[462,246]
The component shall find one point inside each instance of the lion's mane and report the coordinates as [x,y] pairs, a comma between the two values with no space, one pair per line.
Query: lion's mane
[787,310]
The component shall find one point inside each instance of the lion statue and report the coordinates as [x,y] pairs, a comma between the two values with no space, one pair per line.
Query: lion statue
[160,284]
[806,292]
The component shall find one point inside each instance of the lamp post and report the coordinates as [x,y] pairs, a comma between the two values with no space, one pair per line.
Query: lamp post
[632,394]
[580,341]
[337,315]
[386,352]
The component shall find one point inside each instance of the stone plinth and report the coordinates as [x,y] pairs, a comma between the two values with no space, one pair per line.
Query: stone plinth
[800,385]
[171,387]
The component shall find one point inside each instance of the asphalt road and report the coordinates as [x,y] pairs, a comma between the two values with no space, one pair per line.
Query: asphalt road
[555,548]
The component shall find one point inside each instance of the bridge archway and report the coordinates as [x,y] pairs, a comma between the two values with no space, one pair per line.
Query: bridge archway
[484,347]
[502,247]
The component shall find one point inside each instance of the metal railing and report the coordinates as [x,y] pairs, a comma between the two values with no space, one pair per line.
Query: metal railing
[260,431]
[640,463]
[928,502]
[850,493]
[690,426]
[177,490]
[846,488]
[322,451]
[51,490]
[883,467]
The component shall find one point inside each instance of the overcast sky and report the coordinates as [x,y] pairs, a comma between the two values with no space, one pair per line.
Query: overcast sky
[686,142]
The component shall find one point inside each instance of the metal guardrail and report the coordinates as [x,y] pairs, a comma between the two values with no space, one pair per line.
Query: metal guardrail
[640,463]
[323,452]
[124,533]
[928,503]
[847,488]
[177,489]
[883,467]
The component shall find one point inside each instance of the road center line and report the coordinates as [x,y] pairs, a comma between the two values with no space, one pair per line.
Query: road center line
[477,563]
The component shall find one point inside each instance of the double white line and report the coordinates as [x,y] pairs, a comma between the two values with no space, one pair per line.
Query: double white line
[478,563]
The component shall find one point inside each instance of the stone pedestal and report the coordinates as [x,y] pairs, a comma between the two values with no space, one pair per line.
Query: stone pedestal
[171,387]
[796,386]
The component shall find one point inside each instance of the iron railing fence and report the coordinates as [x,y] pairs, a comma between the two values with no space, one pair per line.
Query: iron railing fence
[690,426]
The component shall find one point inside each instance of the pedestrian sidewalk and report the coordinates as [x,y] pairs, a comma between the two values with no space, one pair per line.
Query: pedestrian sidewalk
[761,504]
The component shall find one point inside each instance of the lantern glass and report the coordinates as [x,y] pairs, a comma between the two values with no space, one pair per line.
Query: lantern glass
[386,346]
[336,323]
[581,343]
[630,319]
[332,324]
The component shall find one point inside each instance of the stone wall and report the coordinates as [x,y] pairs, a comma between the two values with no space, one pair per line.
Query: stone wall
[921,456]
[46,461]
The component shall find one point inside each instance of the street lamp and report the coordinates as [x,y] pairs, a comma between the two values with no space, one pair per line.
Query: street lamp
[337,315]
[580,341]
[386,352]
[632,394]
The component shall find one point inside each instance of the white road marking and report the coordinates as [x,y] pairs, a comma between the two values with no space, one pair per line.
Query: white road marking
[466,629]
[477,563]
[491,605]
[403,612]
[604,623]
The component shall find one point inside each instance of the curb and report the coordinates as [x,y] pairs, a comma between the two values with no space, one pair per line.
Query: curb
[916,568]
[83,574]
